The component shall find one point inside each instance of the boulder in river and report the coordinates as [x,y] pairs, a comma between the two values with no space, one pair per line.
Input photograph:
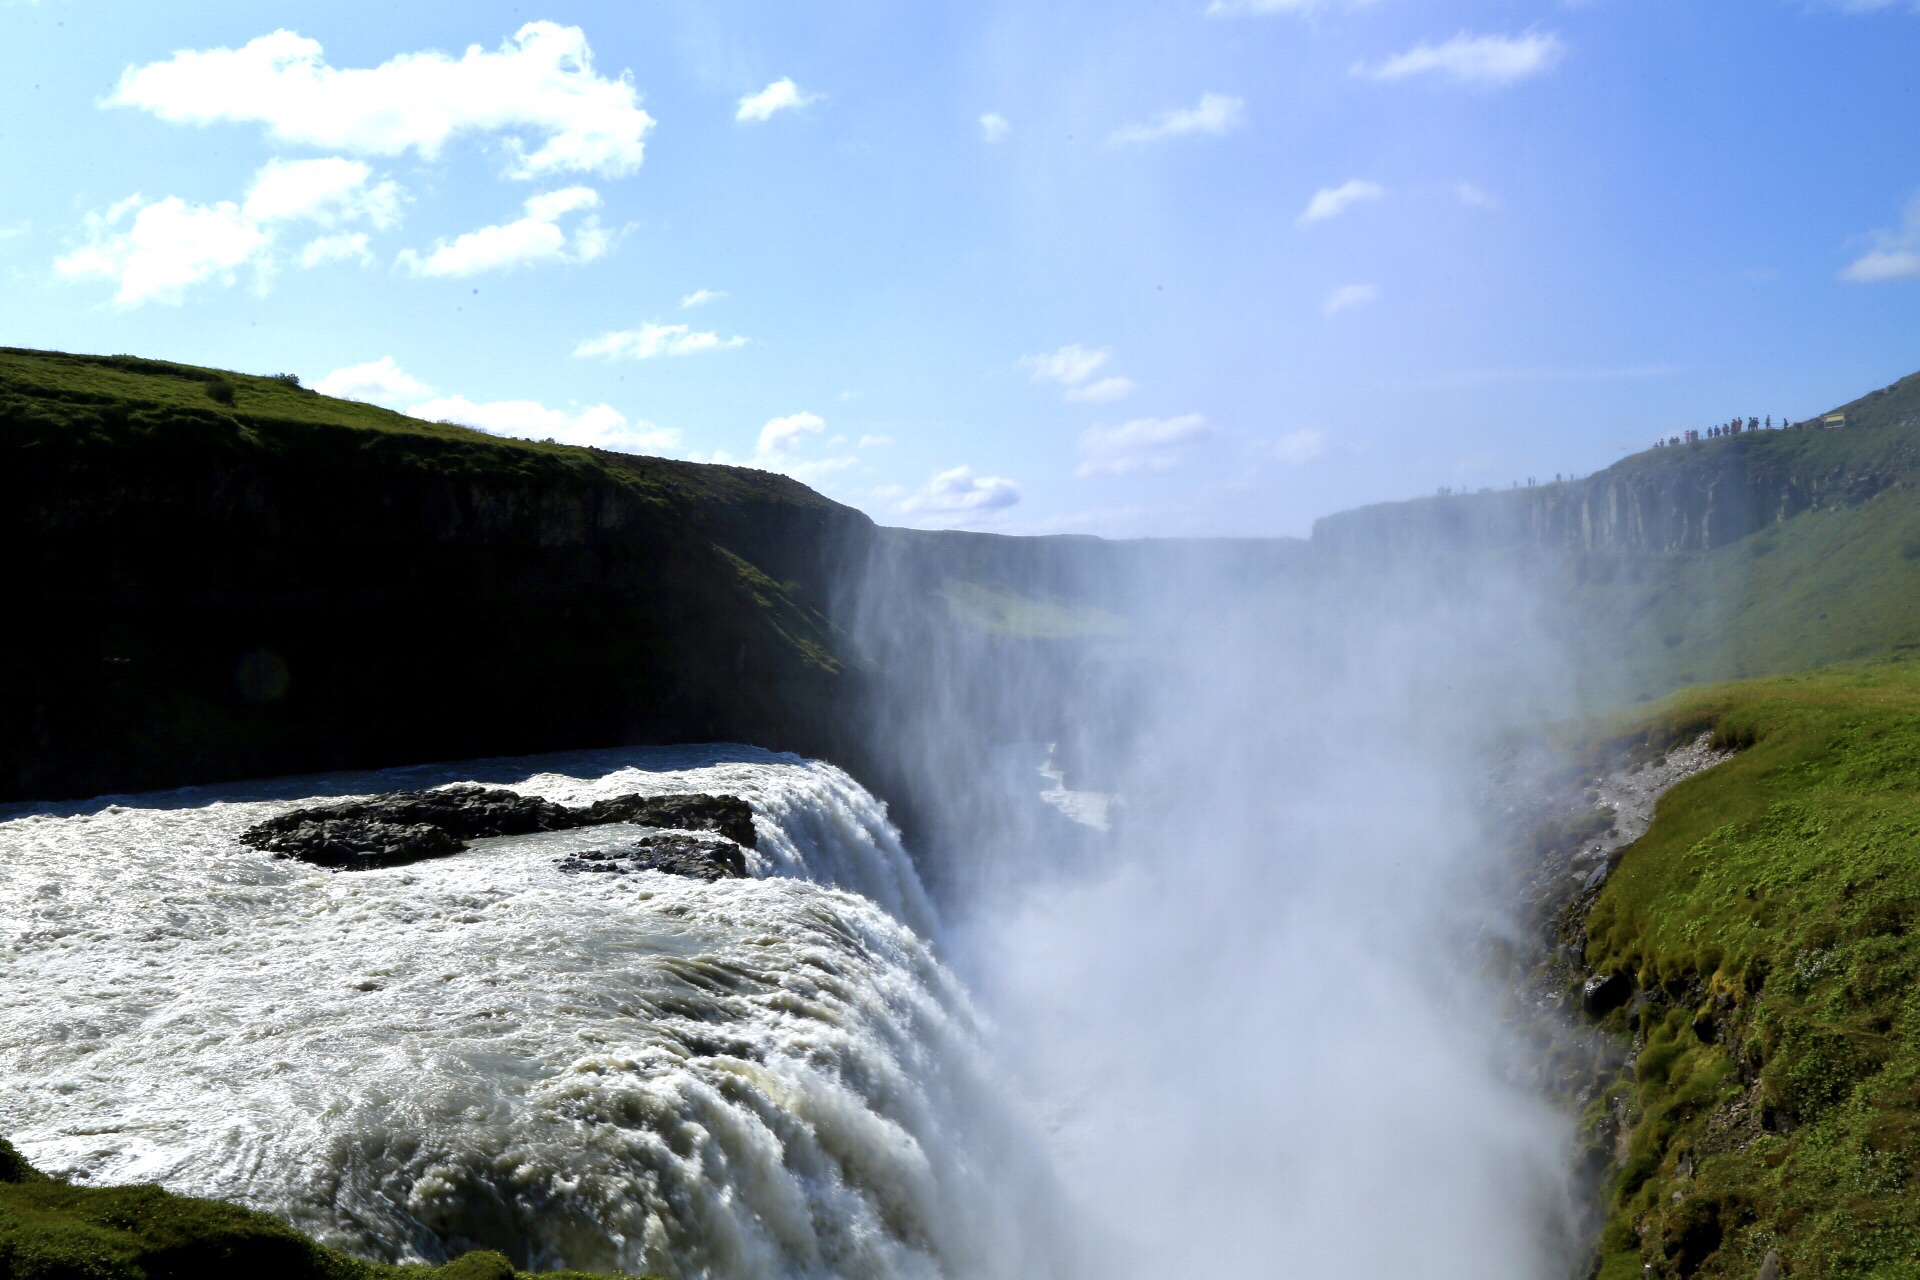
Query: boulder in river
[407,826]
[674,854]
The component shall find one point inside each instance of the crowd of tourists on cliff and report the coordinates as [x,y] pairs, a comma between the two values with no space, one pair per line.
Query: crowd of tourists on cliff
[1733,428]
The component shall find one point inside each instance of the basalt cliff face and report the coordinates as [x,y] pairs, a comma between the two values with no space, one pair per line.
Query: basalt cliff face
[1677,500]
[215,576]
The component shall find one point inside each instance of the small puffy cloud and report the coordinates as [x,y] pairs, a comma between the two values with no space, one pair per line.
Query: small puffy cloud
[154,251]
[875,442]
[783,435]
[343,246]
[1298,448]
[1475,197]
[1895,254]
[1488,61]
[327,191]
[651,340]
[701,297]
[1144,444]
[1215,113]
[782,95]
[1331,202]
[540,83]
[380,381]
[533,239]
[1073,368]
[960,497]
[1348,296]
[599,426]
[994,127]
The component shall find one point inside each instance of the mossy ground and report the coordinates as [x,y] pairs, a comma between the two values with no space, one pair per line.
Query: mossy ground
[1770,920]
[51,1230]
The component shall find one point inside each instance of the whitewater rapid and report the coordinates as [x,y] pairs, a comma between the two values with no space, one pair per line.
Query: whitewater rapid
[770,1077]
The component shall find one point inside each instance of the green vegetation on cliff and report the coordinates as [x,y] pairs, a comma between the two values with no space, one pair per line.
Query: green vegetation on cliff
[52,1230]
[1770,922]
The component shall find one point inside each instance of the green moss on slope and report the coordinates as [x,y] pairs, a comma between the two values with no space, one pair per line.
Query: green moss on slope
[1771,922]
[51,1230]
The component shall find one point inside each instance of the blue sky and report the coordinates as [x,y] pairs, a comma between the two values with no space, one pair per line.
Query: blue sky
[1121,268]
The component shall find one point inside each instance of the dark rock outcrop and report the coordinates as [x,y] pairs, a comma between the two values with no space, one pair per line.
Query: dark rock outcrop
[408,826]
[676,855]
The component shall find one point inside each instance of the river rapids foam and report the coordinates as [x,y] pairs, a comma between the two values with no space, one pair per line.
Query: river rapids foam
[770,1077]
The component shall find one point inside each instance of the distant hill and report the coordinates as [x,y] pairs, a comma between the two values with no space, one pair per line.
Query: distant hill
[1760,553]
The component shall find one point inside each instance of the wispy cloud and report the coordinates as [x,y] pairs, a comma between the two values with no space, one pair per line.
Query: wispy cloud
[1073,367]
[1473,196]
[994,127]
[1895,254]
[1215,113]
[1488,61]
[701,297]
[782,95]
[1298,448]
[1144,444]
[1331,202]
[1348,296]
[527,241]
[541,83]
[651,340]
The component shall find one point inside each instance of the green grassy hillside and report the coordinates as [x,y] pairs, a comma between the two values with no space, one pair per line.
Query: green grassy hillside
[51,1230]
[1770,921]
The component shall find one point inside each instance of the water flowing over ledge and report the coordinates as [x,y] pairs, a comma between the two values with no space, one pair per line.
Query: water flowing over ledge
[753,1078]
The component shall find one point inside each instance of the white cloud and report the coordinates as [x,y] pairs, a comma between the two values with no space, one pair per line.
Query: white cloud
[380,381]
[959,496]
[15,230]
[1298,448]
[1104,391]
[1258,8]
[1349,295]
[1330,202]
[701,297]
[651,340]
[875,442]
[1144,444]
[342,246]
[326,191]
[1073,367]
[1479,60]
[994,127]
[1474,196]
[156,250]
[532,239]
[540,82]
[782,95]
[783,435]
[1215,113]
[600,426]
[1894,256]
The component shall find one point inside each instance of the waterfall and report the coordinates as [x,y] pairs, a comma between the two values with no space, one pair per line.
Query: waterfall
[769,1077]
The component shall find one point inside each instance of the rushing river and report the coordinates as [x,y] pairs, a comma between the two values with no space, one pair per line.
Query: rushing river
[767,1077]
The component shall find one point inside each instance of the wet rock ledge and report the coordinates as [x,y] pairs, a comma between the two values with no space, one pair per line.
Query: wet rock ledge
[409,826]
